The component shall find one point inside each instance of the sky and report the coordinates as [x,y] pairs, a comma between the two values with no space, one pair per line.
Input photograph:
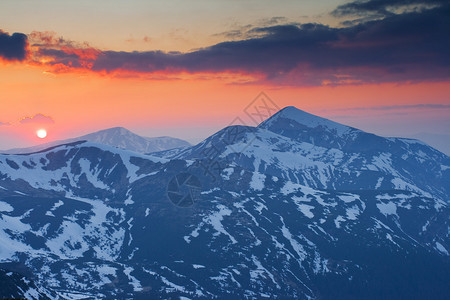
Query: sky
[187,68]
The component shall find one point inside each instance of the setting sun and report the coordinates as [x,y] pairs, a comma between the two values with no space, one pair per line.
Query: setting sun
[41,133]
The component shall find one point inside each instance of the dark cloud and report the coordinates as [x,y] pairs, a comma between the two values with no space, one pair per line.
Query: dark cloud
[13,47]
[37,119]
[406,47]
[385,7]
[4,123]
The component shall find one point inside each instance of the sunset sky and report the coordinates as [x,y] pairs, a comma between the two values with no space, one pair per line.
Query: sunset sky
[189,68]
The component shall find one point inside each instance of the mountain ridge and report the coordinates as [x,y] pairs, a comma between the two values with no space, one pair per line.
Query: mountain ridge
[116,136]
[305,127]
[304,156]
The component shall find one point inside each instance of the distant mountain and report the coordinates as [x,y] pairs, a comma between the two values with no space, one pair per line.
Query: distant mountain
[247,213]
[117,137]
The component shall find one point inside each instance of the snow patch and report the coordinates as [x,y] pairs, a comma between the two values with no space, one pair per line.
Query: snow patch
[348,198]
[379,182]
[257,182]
[306,210]
[91,174]
[290,188]
[353,212]
[216,219]
[338,221]
[441,248]
[5,207]
[132,280]
[226,173]
[388,208]
[195,266]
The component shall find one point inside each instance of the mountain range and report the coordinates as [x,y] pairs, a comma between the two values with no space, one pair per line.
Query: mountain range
[117,137]
[299,207]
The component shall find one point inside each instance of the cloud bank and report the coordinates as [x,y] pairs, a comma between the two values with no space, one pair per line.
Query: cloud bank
[390,41]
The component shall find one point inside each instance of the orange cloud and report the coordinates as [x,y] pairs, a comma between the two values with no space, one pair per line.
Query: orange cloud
[37,119]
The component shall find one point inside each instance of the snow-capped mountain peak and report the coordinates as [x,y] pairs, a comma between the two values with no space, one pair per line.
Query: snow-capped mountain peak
[292,114]
[301,126]
[109,135]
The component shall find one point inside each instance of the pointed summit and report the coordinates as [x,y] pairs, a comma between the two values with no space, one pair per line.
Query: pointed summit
[292,117]
[109,135]
[301,126]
